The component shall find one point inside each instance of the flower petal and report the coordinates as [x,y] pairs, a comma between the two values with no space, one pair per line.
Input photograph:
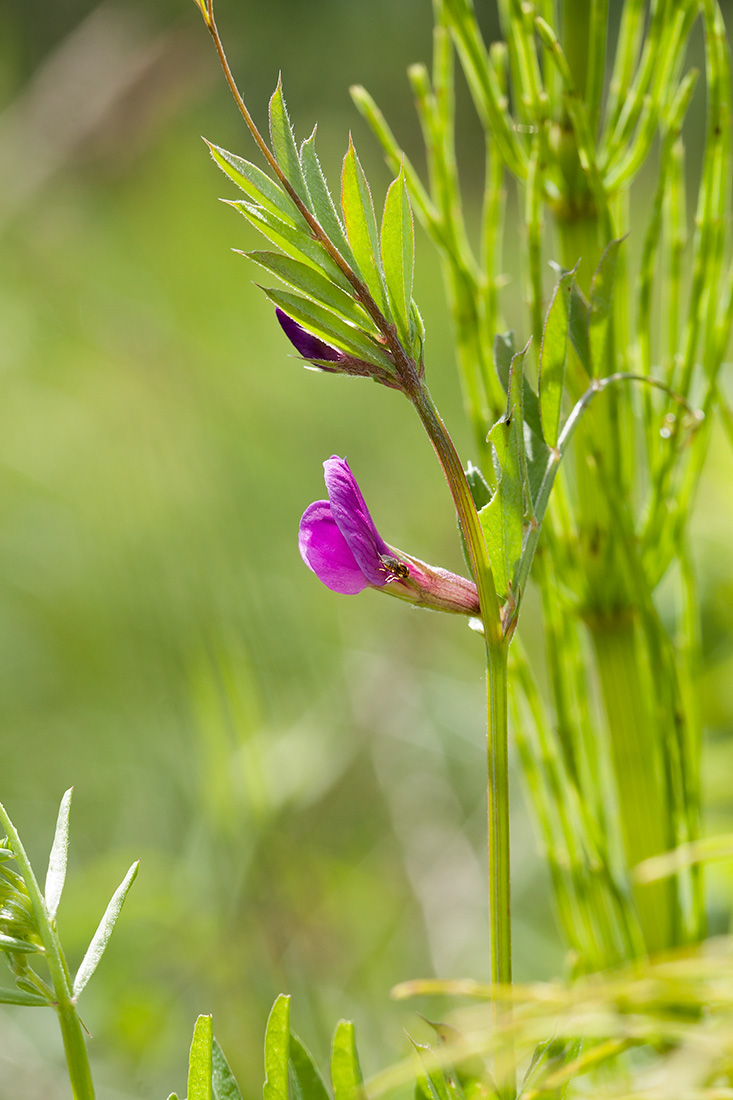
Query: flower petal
[354,521]
[305,343]
[325,550]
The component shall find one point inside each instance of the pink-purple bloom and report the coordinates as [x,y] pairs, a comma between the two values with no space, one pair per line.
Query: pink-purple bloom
[339,541]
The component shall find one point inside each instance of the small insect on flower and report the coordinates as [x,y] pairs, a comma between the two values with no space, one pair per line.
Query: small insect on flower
[339,542]
[399,568]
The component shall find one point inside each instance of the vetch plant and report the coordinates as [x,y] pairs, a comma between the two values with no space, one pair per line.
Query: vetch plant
[621,318]
[590,428]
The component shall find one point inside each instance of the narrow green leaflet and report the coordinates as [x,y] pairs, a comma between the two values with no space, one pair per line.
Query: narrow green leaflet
[21,947]
[283,144]
[20,997]
[361,226]
[346,1076]
[578,327]
[199,1060]
[553,358]
[502,519]
[322,202]
[277,1047]
[255,183]
[308,281]
[429,1075]
[223,1082]
[56,874]
[398,253]
[173,1096]
[293,240]
[104,931]
[306,1081]
[601,297]
[503,356]
[480,488]
[321,322]
[549,1057]
[469,1070]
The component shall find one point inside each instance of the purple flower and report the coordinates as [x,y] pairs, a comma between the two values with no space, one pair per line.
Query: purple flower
[340,543]
[338,539]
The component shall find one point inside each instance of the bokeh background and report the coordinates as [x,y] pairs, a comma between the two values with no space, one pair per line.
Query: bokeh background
[301,774]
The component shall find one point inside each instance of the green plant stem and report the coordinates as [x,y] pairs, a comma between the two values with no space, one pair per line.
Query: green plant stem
[498,813]
[641,791]
[75,1047]
[498,771]
[465,510]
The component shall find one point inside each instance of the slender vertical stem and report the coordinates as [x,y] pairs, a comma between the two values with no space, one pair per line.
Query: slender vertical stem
[465,509]
[498,811]
[72,1031]
[498,769]
[500,903]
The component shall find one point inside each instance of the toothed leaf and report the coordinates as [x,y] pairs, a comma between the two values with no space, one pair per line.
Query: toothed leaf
[283,144]
[308,281]
[329,327]
[253,181]
[398,253]
[295,242]
[361,226]
[322,202]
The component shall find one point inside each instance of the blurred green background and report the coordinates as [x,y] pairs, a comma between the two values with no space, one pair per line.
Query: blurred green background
[301,774]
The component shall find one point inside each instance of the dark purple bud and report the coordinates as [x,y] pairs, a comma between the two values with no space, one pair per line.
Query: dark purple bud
[305,343]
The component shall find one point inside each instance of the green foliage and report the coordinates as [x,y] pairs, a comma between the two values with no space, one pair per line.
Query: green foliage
[599,318]
[361,226]
[283,144]
[209,1075]
[398,253]
[346,1076]
[502,518]
[200,1062]
[354,278]
[616,527]
[553,358]
[626,493]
